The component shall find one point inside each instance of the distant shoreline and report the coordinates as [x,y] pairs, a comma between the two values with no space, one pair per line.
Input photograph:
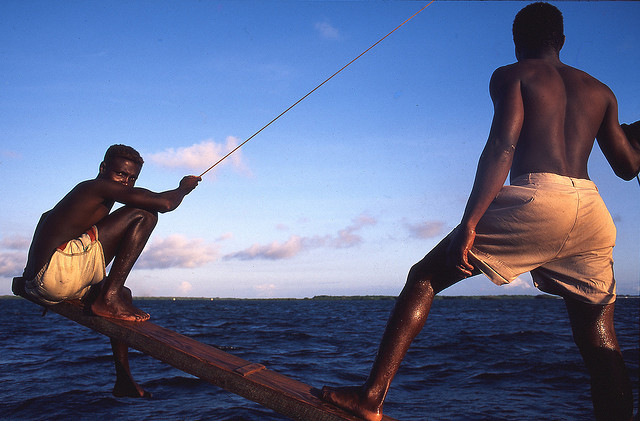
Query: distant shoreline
[352,297]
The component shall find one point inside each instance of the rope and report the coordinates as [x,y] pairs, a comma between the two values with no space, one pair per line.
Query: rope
[313,90]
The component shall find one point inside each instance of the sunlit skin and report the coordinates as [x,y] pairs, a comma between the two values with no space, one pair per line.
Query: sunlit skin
[547,117]
[123,235]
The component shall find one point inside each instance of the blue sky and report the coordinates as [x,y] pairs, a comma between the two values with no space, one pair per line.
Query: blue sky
[339,196]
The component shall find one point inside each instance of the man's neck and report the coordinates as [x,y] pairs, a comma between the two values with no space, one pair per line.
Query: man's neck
[550,55]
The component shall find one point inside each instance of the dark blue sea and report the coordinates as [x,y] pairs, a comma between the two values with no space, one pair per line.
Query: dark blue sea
[476,359]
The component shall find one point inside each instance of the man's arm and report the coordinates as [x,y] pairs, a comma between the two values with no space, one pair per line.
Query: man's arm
[620,147]
[145,199]
[632,131]
[494,164]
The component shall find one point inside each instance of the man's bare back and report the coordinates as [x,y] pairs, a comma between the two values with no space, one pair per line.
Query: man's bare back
[566,110]
[547,116]
[80,209]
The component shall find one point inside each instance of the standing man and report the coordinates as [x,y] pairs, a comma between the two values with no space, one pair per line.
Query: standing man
[75,241]
[550,220]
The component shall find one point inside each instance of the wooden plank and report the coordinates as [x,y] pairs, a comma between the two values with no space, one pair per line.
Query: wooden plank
[252,381]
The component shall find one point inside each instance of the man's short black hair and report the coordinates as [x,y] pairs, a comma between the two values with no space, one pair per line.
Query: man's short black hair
[123,151]
[537,26]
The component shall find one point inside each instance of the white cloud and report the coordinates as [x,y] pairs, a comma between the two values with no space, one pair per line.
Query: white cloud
[177,251]
[265,289]
[518,283]
[185,287]
[10,155]
[201,156]
[346,237]
[425,230]
[225,236]
[273,251]
[13,255]
[12,263]
[327,31]
[16,242]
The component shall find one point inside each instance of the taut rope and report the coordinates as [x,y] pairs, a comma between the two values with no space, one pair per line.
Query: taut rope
[313,90]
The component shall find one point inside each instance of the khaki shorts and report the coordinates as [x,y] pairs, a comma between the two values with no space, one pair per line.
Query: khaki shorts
[73,268]
[558,228]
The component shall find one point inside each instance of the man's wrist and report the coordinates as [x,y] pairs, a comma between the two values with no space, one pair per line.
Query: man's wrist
[467,226]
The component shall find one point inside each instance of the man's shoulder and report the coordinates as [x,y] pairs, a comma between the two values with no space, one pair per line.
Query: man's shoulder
[536,70]
[504,76]
[582,81]
[517,70]
[524,68]
[87,185]
[507,68]
[93,187]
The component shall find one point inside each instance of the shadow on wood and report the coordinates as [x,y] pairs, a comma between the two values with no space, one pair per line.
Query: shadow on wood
[249,380]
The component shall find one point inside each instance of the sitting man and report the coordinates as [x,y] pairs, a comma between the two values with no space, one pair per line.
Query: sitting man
[74,241]
[549,221]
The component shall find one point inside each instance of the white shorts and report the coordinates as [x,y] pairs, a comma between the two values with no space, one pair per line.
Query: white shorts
[72,269]
[558,228]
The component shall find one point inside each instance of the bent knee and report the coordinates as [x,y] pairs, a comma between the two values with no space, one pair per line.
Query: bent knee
[142,215]
[148,215]
[417,278]
[435,278]
[416,274]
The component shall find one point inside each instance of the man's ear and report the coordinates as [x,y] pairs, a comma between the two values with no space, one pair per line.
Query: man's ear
[102,169]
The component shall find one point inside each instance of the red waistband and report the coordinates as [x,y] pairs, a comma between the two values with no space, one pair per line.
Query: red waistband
[91,232]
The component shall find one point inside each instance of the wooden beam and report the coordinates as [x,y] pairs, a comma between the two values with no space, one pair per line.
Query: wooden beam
[284,395]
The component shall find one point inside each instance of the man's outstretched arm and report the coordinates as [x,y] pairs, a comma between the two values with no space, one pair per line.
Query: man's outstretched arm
[145,199]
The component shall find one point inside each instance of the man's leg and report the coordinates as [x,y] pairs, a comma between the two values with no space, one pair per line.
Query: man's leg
[426,278]
[125,385]
[123,235]
[594,333]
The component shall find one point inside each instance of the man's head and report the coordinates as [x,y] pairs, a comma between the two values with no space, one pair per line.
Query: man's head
[121,164]
[123,151]
[538,27]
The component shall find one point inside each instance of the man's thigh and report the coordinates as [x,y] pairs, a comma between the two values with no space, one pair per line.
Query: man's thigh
[113,227]
[435,268]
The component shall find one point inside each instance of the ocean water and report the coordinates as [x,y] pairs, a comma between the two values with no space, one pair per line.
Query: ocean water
[476,359]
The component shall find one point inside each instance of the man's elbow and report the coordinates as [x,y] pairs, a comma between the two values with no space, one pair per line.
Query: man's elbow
[166,206]
[628,173]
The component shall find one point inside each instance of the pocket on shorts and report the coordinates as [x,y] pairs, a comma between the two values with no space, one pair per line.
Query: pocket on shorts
[513,197]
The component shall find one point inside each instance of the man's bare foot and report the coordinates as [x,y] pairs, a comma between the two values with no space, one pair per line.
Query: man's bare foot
[351,400]
[118,310]
[129,389]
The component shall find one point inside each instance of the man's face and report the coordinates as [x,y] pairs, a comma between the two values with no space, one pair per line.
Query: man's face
[120,170]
